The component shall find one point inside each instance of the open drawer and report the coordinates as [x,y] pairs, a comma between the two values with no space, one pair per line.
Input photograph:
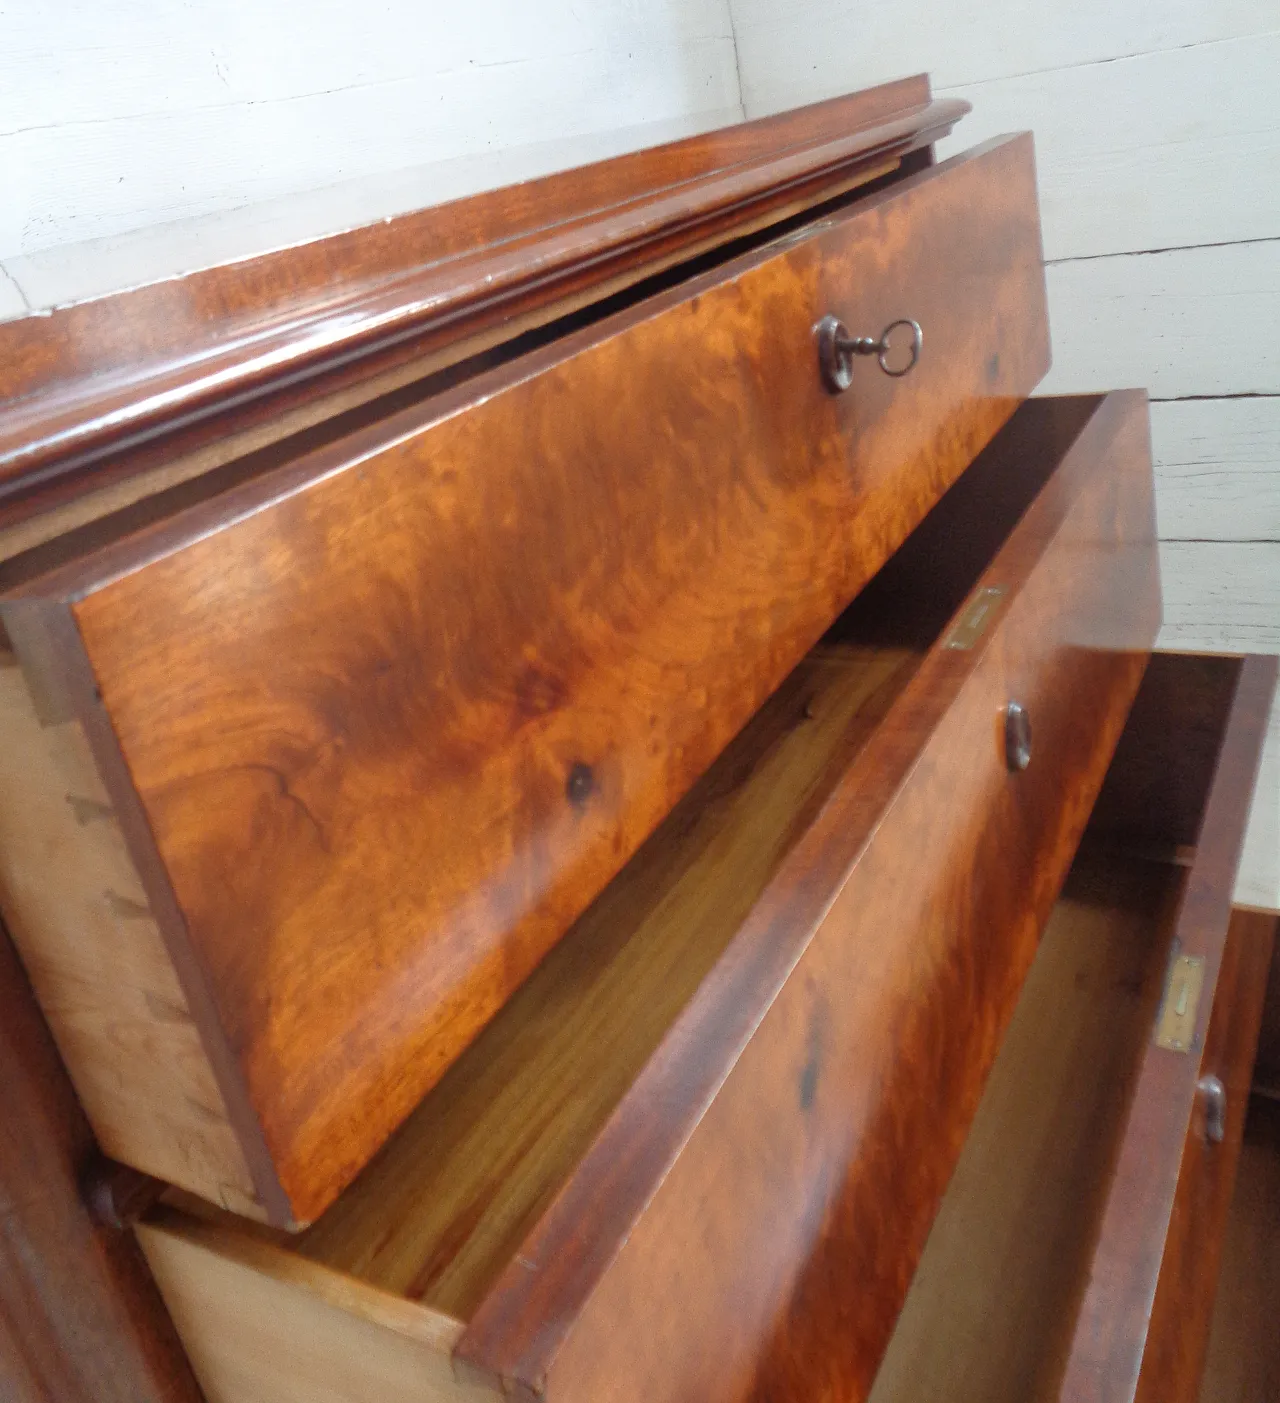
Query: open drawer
[704,1144]
[1076,1251]
[337,755]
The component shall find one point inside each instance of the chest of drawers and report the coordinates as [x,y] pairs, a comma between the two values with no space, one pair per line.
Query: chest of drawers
[609,850]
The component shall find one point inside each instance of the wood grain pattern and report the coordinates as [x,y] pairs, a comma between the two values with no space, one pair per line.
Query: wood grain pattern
[821,1104]
[1244,1347]
[444,1208]
[991,1308]
[678,1075]
[1173,1363]
[80,919]
[395,714]
[260,1328]
[80,1321]
[1111,1329]
[107,376]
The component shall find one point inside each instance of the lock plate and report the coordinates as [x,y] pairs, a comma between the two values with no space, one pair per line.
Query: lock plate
[978,613]
[1176,1026]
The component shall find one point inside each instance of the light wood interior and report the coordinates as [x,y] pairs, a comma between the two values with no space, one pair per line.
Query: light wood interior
[75,906]
[992,1307]
[444,1208]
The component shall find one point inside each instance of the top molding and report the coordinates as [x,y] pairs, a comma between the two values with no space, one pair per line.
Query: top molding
[109,388]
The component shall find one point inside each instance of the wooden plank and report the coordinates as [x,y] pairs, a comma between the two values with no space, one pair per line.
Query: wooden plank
[1221,596]
[110,120]
[1217,467]
[1117,155]
[1195,321]
[80,1321]
[793,51]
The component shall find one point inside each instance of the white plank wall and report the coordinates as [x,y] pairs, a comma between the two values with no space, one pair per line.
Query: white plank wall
[118,116]
[1158,150]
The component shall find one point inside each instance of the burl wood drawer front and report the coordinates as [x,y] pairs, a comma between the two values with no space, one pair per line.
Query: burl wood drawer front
[376,728]
[697,1153]
[1075,1253]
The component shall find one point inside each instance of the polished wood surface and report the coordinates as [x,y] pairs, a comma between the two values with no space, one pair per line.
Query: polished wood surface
[701,986]
[389,718]
[1243,1364]
[1111,1329]
[1054,1212]
[1158,784]
[896,1006]
[1173,1363]
[80,1321]
[442,1211]
[112,387]
[990,1313]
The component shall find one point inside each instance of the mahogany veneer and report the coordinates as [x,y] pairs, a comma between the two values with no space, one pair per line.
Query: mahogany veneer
[374,728]
[453,806]
[659,1172]
[1076,1251]
[176,377]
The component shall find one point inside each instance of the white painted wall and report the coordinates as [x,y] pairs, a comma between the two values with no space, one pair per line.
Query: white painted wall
[118,116]
[1158,148]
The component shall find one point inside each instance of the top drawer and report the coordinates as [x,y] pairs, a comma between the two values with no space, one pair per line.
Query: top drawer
[344,751]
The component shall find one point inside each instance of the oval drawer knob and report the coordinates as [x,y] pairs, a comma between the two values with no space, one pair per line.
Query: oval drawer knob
[1017,736]
[1214,1095]
[836,350]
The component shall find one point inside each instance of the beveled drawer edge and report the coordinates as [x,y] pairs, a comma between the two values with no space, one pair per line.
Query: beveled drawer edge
[621,1172]
[1103,1362]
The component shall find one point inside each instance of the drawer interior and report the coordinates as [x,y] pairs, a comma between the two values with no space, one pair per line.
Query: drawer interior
[440,1212]
[994,1303]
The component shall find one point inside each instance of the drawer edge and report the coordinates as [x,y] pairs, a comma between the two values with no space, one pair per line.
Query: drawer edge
[1111,1329]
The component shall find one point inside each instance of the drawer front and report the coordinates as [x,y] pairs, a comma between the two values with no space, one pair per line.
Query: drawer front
[775,1256]
[1178,1336]
[386,721]
[1142,1326]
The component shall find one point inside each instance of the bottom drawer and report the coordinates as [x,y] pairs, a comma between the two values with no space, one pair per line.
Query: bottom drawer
[1076,1250]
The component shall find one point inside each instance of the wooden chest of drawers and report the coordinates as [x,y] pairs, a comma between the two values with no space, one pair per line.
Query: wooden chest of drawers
[598,866]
